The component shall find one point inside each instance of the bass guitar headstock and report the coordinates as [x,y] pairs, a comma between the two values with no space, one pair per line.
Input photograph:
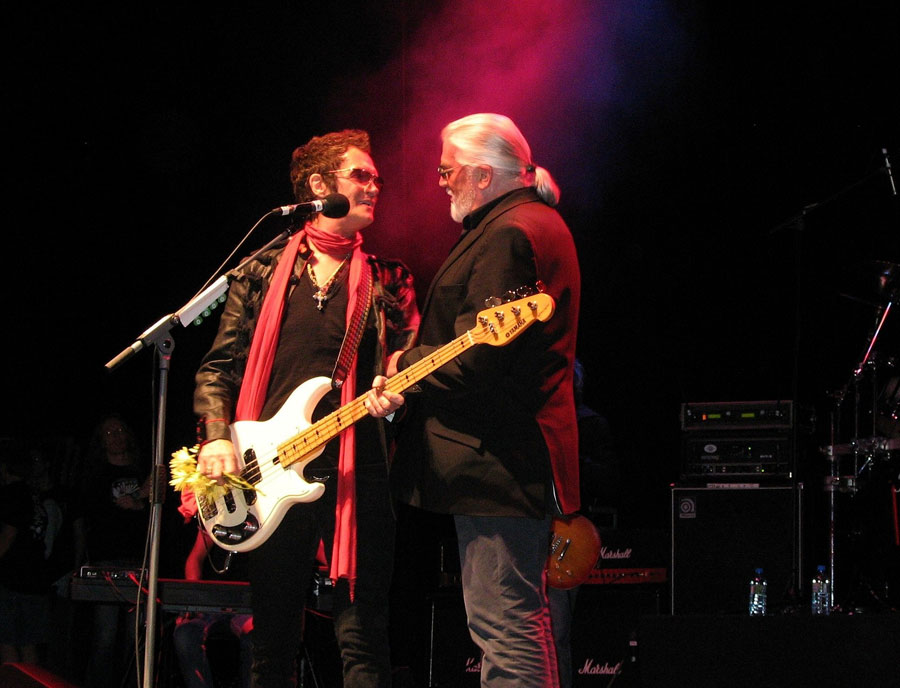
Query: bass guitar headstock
[506,317]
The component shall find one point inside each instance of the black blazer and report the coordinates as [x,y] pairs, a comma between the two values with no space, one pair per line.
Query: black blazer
[494,432]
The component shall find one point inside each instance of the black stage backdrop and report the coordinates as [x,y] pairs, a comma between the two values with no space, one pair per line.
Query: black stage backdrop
[721,167]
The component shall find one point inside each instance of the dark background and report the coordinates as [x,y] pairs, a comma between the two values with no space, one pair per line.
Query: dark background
[687,137]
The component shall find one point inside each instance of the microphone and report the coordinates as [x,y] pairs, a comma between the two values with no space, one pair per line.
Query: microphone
[334,206]
[887,166]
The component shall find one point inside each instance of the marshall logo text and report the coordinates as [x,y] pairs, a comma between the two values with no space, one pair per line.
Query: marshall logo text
[591,668]
[607,553]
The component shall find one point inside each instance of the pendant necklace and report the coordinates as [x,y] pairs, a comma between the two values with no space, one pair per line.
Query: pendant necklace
[321,295]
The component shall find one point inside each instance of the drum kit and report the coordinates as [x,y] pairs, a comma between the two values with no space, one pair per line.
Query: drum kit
[863,458]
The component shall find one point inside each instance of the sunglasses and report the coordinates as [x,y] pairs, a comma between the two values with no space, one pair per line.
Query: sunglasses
[360,176]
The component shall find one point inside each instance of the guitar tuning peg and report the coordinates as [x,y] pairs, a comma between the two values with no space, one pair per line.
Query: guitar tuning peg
[524,291]
[509,296]
[492,302]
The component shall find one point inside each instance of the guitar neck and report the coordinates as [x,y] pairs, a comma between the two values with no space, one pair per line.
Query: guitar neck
[423,368]
[329,427]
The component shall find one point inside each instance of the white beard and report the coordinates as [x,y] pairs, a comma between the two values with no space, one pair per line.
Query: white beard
[462,203]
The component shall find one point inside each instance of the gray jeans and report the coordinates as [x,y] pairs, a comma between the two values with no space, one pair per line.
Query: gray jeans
[504,590]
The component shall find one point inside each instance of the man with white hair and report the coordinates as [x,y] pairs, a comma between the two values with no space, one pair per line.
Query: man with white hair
[492,437]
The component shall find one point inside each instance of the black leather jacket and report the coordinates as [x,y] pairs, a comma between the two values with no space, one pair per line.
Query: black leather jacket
[222,370]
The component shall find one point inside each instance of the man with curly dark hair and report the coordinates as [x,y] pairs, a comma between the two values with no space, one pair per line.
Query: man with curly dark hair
[288,316]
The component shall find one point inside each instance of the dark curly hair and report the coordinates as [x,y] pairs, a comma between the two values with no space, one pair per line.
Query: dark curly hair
[320,154]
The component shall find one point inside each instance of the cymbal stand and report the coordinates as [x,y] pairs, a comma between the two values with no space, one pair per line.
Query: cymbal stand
[870,360]
[835,482]
[831,487]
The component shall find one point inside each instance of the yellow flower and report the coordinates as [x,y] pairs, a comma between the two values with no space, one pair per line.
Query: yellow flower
[185,476]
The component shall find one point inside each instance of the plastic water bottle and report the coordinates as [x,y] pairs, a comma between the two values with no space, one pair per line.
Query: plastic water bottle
[758,590]
[821,593]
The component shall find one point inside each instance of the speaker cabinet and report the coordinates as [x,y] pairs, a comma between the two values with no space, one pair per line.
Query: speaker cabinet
[721,533]
[454,659]
[604,633]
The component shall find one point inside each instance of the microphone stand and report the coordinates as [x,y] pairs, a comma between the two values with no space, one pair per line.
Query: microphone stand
[159,336]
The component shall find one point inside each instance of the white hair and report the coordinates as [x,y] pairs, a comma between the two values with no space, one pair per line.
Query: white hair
[494,140]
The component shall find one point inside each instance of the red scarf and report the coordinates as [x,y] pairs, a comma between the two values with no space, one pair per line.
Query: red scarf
[259,367]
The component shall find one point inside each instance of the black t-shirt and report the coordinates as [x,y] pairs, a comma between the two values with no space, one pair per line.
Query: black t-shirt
[22,567]
[114,534]
[308,346]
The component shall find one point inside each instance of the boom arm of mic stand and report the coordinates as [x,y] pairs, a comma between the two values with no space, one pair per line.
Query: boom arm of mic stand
[211,294]
[150,334]
[797,220]
[186,315]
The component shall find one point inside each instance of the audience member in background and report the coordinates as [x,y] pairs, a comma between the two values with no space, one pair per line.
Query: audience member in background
[110,526]
[24,592]
[41,481]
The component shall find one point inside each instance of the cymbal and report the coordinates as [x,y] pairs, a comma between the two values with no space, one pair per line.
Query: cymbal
[873,280]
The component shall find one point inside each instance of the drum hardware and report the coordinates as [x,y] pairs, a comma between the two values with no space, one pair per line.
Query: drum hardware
[882,278]
[844,484]
[872,447]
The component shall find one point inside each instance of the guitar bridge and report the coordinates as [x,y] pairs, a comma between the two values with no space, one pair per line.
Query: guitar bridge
[207,507]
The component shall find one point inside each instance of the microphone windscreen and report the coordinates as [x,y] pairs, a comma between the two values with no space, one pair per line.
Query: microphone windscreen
[335,205]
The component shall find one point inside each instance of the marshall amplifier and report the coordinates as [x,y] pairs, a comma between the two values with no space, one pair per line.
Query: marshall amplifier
[737,440]
[454,660]
[605,633]
[627,582]
[630,556]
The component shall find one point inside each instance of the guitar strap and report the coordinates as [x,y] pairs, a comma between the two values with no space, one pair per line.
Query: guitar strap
[354,332]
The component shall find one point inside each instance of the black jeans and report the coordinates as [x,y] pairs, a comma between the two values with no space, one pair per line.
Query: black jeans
[281,573]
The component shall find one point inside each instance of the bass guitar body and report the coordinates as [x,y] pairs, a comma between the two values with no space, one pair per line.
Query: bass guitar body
[241,520]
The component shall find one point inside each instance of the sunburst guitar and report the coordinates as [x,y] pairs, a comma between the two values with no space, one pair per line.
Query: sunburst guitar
[574,550]
[273,453]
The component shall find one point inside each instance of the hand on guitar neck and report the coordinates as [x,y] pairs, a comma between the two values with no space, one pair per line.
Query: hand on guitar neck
[381,402]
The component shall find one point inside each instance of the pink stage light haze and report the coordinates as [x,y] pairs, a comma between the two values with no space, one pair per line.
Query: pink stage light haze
[548,66]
